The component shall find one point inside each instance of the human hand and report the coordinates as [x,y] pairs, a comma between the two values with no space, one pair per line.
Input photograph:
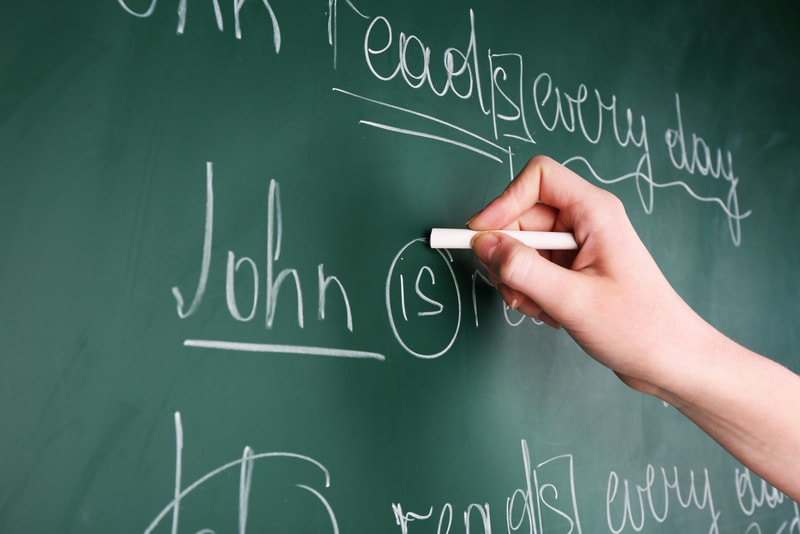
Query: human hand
[609,295]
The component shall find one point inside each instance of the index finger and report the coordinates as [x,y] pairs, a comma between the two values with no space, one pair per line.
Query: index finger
[541,180]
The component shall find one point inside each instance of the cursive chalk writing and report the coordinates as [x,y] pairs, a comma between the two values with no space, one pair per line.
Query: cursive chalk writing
[515,104]
[513,111]
[237,10]
[754,494]
[273,283]
[661,483]
[246,466]
[703,163]
[546,503]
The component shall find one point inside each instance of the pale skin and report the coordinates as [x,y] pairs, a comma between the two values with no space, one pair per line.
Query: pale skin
[611,297]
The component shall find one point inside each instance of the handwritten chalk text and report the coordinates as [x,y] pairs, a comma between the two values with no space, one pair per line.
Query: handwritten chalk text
[546,503]
[237,10]
[246,466]
[754,494]
[515,105]
[636,503]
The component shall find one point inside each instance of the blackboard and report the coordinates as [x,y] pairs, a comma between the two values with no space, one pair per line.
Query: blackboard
[218,311]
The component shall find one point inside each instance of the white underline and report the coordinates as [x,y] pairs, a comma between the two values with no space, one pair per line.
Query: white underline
[281,349]
[431,136]
[423,116]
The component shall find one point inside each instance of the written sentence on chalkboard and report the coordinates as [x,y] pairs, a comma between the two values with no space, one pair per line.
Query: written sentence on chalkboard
[512,103]
[543,494]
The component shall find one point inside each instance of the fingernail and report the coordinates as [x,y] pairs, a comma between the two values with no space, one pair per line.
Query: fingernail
[484,244]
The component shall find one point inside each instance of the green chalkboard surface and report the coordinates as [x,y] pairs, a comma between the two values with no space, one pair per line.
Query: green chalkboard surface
[218,311]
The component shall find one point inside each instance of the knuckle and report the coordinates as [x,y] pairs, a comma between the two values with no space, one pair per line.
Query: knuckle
[611,203]
[607,210]
[615,205]
[540,160]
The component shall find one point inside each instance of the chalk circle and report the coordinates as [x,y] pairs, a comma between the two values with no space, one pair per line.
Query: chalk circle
[447,262]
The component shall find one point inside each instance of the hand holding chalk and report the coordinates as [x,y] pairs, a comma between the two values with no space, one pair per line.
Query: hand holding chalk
[603,292]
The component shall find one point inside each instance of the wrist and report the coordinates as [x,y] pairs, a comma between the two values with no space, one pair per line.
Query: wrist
[681,362]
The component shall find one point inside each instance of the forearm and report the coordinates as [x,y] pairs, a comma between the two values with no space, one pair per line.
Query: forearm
[749,404]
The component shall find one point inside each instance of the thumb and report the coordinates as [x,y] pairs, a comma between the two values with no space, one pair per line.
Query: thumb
[525,271]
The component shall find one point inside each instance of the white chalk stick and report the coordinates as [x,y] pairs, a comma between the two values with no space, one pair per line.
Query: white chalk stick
[458,238]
